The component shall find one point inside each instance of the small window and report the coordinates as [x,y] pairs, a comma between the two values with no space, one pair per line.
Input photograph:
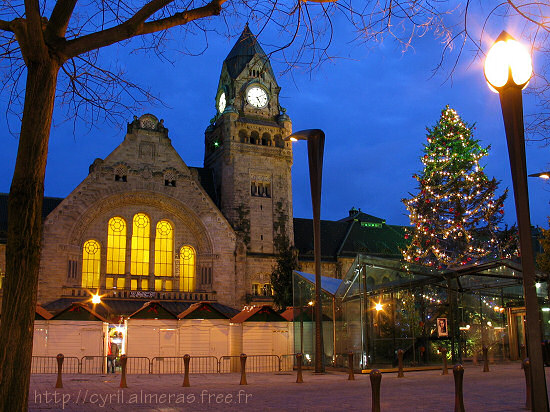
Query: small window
[71,269]
[121,173]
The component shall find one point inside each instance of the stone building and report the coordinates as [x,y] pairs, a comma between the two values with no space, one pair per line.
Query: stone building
[143,225]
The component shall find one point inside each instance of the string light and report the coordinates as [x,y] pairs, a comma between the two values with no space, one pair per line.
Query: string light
[455,214]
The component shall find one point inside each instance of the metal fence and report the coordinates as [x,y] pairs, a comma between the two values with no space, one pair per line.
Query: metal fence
[48,364]
[174,364]
[97,365]
[254,363]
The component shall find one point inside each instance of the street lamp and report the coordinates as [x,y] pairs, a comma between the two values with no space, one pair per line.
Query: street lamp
[542,175]
[315,147]
[508,69]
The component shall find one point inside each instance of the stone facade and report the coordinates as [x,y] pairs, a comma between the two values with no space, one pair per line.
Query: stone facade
[143,175]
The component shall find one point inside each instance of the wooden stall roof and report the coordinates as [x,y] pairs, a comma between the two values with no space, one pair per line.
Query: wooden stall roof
[79,311]
[202,310]
[258,314]
[152,310]
[42,314]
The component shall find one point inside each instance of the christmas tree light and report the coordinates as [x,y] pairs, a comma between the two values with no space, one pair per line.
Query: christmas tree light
[455,215]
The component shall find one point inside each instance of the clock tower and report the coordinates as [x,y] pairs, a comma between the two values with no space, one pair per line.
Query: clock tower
[245,149]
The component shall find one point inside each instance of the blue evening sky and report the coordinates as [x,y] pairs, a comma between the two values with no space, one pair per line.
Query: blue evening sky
[373,102]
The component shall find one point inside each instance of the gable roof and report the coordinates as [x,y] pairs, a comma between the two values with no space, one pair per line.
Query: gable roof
[152,310]
[257,314]
[41,313]
[79,311]
[202,310]
[243,51]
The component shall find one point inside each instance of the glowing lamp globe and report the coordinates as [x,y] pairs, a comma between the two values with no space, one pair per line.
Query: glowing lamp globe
[508,63]
[96,299]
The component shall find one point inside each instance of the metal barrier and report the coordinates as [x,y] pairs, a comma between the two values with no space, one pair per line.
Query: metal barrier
[97,365]
[48,364]
[93,365]
[287,362]
[254,363]
[175,364]
[138,365]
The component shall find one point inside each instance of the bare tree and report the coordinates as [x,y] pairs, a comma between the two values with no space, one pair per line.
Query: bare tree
[49,53]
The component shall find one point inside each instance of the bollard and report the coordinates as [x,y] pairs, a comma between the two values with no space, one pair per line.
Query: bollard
[375,380]
[351,376]
[485,359]
[243,370]
[458,372]
[123,361]
[299,358]
[445,369]
[60,358]
[186,359]
[526,365]
[400,363]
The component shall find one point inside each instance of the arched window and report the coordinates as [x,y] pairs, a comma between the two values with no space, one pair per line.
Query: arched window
[187,269]
[116,246]
[91,262]
[370,282]
[140,245]
[164,240]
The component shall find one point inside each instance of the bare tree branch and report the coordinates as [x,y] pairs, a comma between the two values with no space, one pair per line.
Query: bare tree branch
[125,31]
[59,19]
[5,25]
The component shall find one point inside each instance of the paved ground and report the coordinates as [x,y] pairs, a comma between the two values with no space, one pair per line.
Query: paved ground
[502,389]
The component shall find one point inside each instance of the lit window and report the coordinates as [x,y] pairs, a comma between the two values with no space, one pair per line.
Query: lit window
[267,290]
[164,249]
[187,269]
[140,245]
[116,246]
[91,260]
[256,289]
[133,284]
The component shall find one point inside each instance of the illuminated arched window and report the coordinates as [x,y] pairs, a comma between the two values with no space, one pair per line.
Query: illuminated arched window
[91,261]
[116,246]
[187,269]
[140,245]
[164,240]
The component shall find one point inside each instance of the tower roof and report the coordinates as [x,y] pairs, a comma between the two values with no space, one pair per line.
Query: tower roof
[242,53]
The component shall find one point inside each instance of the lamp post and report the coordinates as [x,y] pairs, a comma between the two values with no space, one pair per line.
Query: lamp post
[315,147]
[508,69]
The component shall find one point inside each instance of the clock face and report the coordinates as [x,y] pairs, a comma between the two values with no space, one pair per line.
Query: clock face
[257,97]
[221,103]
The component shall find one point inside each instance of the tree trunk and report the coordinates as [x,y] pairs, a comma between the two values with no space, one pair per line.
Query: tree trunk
[24,237]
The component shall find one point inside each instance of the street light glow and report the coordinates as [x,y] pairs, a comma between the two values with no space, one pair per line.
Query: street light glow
[96,299]
[507,60]
[378,307]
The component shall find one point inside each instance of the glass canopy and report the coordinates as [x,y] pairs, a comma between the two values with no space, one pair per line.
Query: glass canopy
[384,305]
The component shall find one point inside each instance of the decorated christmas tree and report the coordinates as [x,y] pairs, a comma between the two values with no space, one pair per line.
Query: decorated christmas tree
[455,215]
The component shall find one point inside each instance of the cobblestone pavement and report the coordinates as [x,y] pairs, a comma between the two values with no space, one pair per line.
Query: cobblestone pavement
[502,389]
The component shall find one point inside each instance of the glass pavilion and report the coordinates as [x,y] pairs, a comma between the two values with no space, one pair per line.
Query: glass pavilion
[384,305]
